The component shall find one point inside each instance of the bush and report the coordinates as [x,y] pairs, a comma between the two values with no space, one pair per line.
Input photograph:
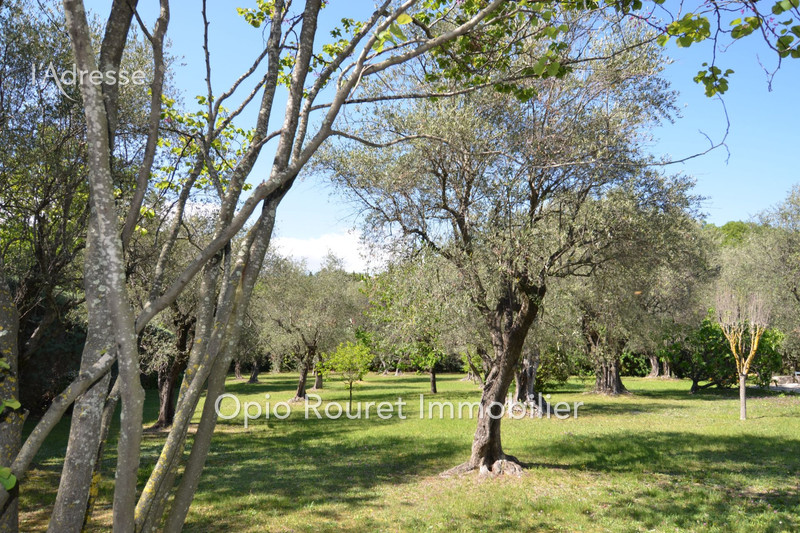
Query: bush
[554,369]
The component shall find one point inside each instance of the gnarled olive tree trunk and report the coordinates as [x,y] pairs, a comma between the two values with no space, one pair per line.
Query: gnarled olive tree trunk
[525,378]
[254,373]
[300,394]
[655,366]
[509,326]
[607,376]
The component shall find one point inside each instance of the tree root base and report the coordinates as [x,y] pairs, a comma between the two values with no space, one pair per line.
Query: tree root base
[508,466]
[612,393]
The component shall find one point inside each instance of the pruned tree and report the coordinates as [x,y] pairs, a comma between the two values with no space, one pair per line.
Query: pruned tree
[743,319]
[514,194]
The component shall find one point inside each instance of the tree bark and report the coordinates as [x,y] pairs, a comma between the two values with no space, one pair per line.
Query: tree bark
[97,473]
[667,373]
[525,378]
[237,370]
[433,381]
[743,396]
[300,395]
[487,450]
[607,378]
[216,383]
[167,383]
[10,419]
[654,366]
[83,444]
[487,454]
[103,231]
[317,379]
[254,373]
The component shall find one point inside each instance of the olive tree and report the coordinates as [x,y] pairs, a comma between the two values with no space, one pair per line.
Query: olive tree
[409,303]
[778,252]
[634,302]
[308,314]
[514,193]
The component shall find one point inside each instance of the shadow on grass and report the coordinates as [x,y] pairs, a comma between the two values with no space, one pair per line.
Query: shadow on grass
[699,481]
[308,463]
[709,394]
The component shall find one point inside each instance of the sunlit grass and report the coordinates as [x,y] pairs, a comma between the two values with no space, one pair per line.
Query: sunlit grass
[657,460]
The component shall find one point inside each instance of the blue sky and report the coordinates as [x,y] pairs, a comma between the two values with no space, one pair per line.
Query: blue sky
[756,174]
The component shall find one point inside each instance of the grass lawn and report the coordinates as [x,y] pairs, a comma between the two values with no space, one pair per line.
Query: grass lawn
[657,460]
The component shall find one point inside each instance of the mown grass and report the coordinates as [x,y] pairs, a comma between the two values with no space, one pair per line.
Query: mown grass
[657,460]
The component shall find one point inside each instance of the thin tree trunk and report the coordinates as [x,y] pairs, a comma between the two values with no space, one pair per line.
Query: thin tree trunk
[12,419]
[520,386]
[34,342]
[201,362]
[254,373]
[743,396]
[105,426]
[237,370]
[300,395]
[525,391]
[216,384]
[477,375]
[433,381]
[100,117]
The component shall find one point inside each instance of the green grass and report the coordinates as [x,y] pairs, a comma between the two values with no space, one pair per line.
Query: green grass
[657,460]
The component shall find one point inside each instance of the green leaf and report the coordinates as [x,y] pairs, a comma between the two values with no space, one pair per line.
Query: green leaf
[7,479]
[404,19]
[395,29]
[662,39]
[11,404]
[539,67]
[4,365]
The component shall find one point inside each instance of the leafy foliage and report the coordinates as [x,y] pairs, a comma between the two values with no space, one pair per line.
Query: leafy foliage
[350,362]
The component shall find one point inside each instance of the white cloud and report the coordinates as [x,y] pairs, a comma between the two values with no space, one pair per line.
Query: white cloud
[346,246]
